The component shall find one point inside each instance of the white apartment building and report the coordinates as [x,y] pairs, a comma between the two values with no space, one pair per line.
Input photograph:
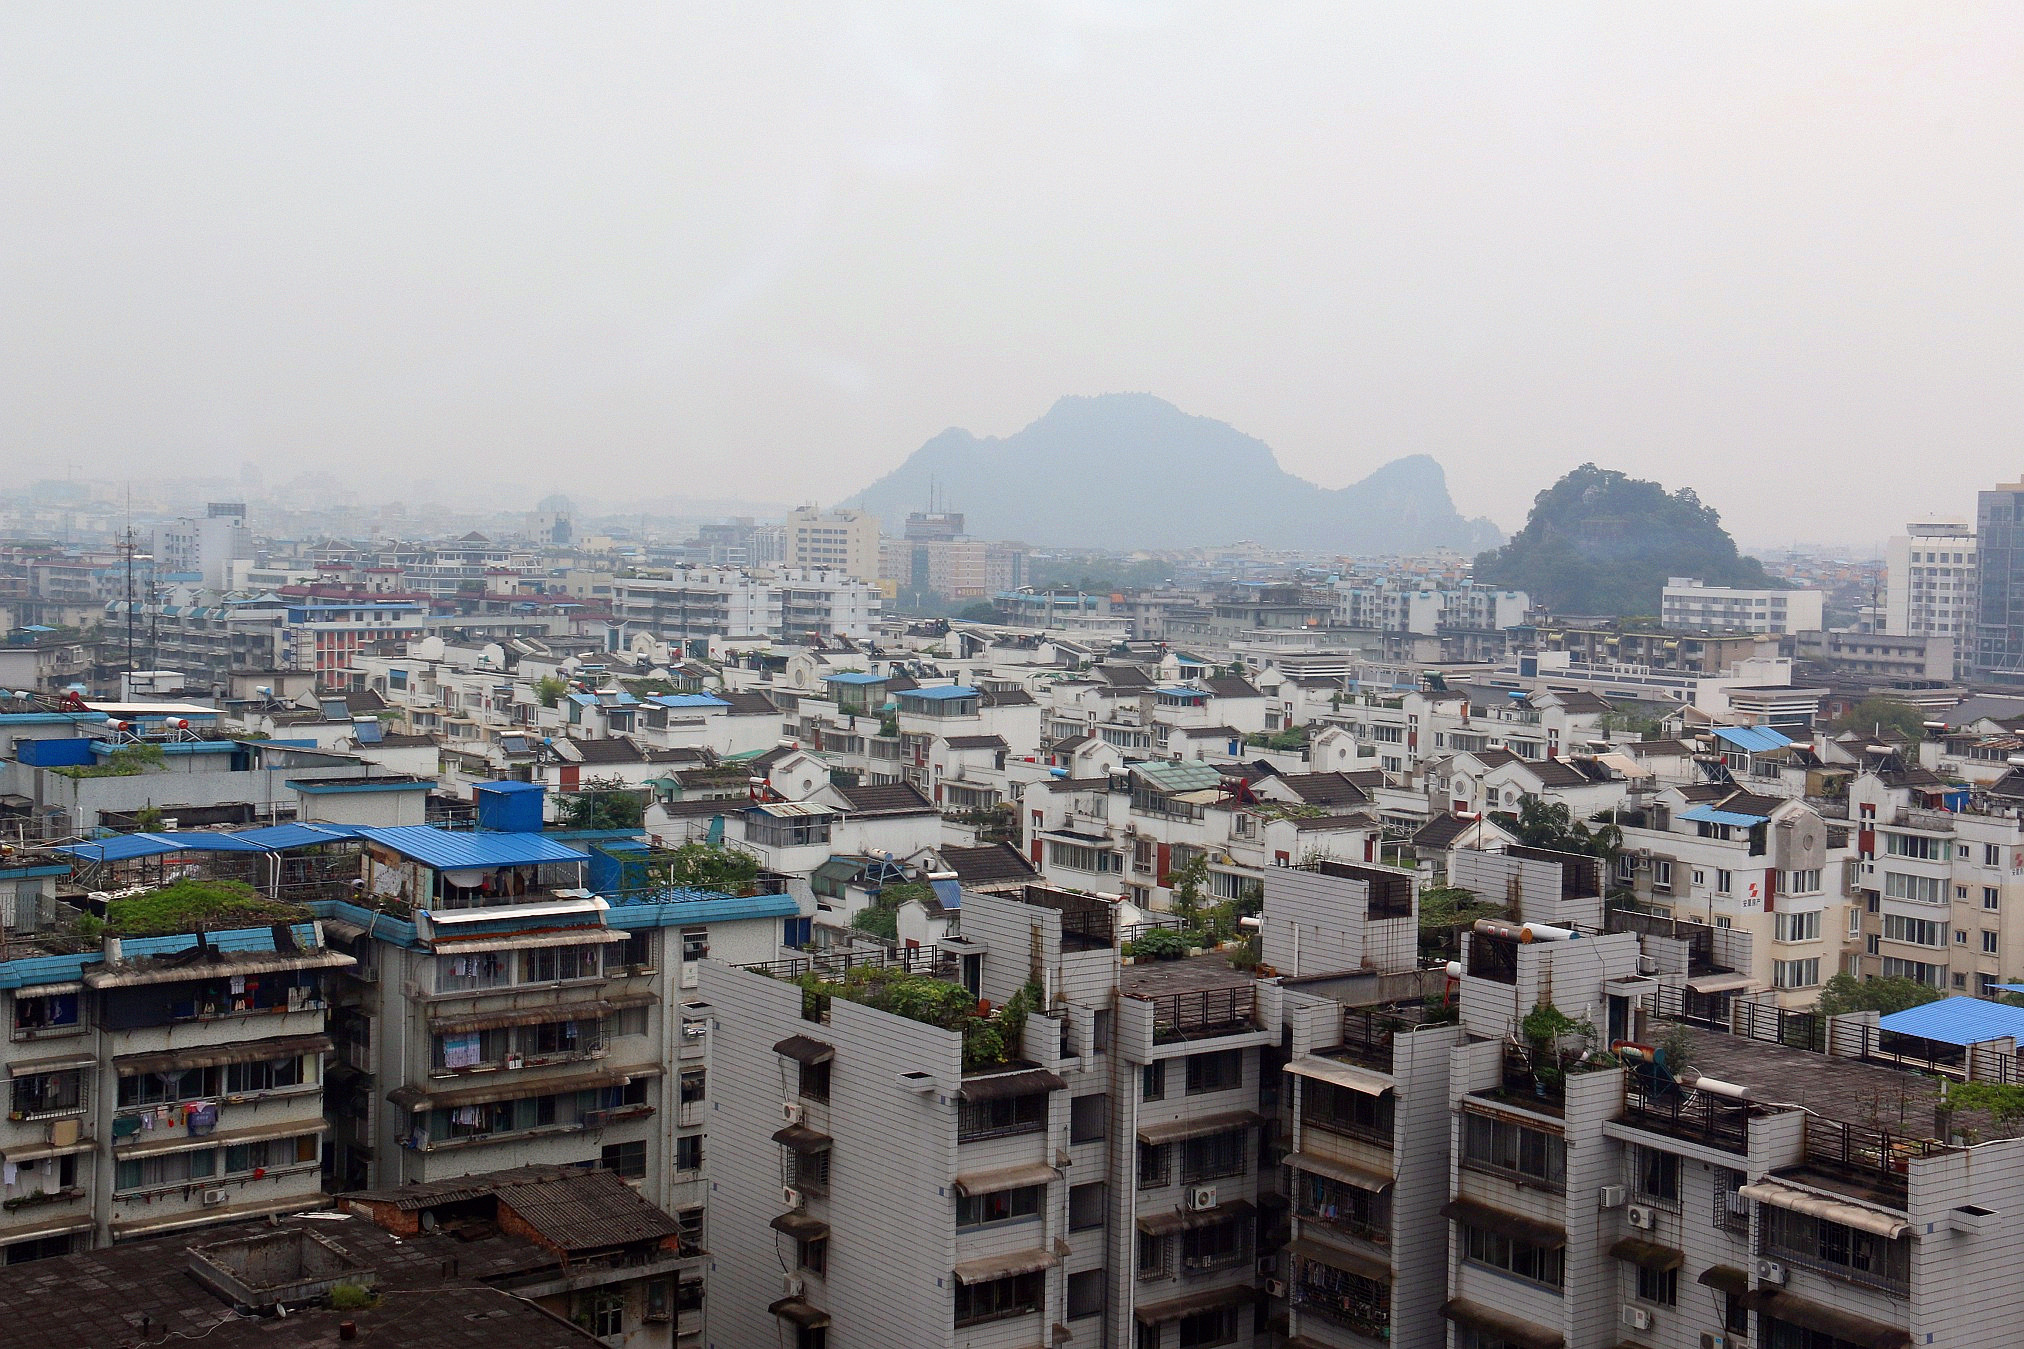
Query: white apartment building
[1930,575]
[1424,607]
[1687,603]
[843,541]
[205,546]
[1771,866]
[724,604]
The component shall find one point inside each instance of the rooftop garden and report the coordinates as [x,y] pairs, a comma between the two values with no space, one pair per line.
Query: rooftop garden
[128,761]
[991,1036]
[195,906]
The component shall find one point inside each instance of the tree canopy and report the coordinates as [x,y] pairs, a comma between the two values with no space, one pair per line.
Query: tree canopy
[1889,714]
[1845,993]
[1601,542]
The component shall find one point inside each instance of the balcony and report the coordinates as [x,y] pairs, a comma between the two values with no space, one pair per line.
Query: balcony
[1702,1118]
[1202,1013]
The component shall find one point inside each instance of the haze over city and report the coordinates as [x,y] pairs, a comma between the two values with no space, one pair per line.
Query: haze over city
[752,252]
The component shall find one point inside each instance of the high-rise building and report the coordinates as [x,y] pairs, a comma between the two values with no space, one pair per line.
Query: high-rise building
[1689,604]
[205,548]
[1999,585]
[840,540]
[1931,582]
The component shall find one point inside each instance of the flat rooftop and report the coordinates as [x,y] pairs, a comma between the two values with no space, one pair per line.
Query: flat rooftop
[1191,974]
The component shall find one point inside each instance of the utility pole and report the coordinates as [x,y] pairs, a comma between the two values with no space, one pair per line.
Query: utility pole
[129,548]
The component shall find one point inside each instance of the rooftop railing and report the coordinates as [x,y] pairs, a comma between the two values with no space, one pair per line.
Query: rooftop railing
[1203,1013]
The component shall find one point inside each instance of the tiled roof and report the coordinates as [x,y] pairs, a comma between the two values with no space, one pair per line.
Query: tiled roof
[885,798]
[1231,686]
[975,742]
[1325,789]
[991,862]
[614,749]
[1007,698]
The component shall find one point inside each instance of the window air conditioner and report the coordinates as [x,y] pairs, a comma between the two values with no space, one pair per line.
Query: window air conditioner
[1642,1216]
[1610,1196]
[1636,1317]
[1709,1341]
[1201,1197]
[1770,1271]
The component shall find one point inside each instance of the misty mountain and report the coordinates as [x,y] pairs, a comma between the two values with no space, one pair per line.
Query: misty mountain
[1601,542]
[1130,470]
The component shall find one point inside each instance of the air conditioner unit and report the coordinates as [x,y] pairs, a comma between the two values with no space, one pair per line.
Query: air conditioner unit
[1636,1317]
[1770,1271]
[790,1196]
[1201,1197]
[1274,1288]
[1709,1341]
[1647,965]
[791,1111]
[790,1285]
[1610,1196]
[1642,1215]
[213,1197]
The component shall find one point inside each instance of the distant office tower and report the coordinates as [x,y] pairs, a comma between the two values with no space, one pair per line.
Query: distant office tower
[1999,602]
[1931,584]
[841,540]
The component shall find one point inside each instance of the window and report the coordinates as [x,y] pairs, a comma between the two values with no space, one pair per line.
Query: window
[604,1312]
[1212,1155]
[1500,1145]
[1152,1165]
[50,1093]
[1802,882]
[695,944]
[270,1153]
[1724,882]
[1085,1294]
[1003,1117]
[795,933]
[551,963]
[1960,936]
[1088,1117]
[1323,1105]
[999,1206]
[1085,1206]
[1153,1081]
[1832,1248]
[1216,1245]
[637,950]
[630,1021]
[627,1159]
[50,1014]
[1659,1285]
[689,1229]
[175,1168]
[165,1088]
[1656,1175]
[1917,846]
[1796,926]
[1854,923]
[1662,874]
[461,974]
[1203,1329]
[998,1299]
[814,1081]
[1925,972]
[1917,931]
[694,1085]
[1992,855]
[1992,898]
[1222,1070]
[1077,857]
[1795,973]
[689,1153]
[812,1255]
[1536,1264]
[1923,889]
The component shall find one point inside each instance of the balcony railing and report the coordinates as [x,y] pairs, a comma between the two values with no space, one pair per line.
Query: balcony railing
[1204,1013]
[1702,1117]
[1875,1159]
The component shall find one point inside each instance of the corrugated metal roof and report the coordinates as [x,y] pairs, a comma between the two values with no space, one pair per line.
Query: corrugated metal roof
[283,837]
[1709,815]
[1755,739]
[688,700]
[127,847]
[1958,1021]
[696,907]
[854,677]
[445,850]
[942,692]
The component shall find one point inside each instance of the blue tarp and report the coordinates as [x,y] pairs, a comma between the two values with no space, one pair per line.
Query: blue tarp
[1709,815]
[1754,739]
[446,851]
[1958,1021]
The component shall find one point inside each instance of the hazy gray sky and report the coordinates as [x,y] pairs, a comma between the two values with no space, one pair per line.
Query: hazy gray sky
[742,249]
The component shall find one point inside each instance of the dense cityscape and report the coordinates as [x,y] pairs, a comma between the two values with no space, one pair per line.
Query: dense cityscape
[823,930]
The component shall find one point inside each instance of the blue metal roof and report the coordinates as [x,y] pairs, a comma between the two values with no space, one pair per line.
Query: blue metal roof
[361,785]
[127,847]
[949,892]
[50,718]
[33,970]
[1709,815]
[506,786]
[682,907]
[854,677]
[1181,691]
[447,851]
[1755,739]
[942,692]
[284,837]
[688,700]
[1958,1021]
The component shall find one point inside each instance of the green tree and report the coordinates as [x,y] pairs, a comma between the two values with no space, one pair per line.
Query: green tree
[1845,993]
[602,803]
[548,690]
[705,866]
[1540,823]
[1871,715]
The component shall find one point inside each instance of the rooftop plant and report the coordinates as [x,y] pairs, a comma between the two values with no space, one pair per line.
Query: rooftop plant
[197,906]
[989,1038]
